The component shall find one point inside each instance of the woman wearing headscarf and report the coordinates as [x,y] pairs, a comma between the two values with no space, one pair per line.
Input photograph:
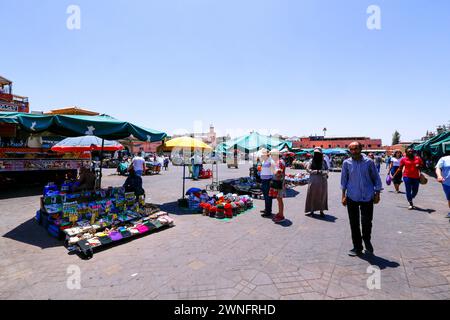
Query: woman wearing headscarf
[317,197]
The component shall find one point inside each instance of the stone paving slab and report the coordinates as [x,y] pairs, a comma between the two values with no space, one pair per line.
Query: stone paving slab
[246,258]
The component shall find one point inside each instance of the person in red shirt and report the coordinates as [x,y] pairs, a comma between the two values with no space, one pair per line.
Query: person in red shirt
[411,166]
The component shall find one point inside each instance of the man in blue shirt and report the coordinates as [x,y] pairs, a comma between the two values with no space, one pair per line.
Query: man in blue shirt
[361,186]
[443,176]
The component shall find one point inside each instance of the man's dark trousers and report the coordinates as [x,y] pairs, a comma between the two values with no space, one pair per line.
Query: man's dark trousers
[360,213]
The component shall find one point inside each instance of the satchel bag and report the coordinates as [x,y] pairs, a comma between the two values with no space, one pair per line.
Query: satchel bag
[423,179]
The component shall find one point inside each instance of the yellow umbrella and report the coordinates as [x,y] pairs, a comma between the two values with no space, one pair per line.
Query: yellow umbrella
[187,142]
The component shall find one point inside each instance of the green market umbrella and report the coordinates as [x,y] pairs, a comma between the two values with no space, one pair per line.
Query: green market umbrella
[104,127]
[254,142]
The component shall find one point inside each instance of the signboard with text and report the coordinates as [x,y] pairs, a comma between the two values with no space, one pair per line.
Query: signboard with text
[36,165]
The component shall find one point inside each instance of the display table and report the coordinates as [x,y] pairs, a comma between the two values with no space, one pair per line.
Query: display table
[95,219]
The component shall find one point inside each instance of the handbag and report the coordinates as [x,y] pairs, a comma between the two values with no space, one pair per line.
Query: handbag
[423,179]
[388,180]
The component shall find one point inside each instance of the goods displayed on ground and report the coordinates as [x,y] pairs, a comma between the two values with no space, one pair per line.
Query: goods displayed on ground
[336,162]
[206,174]
[122,167]
[152,167]
[299,179]
[219,206]
[241,186]
[93,219]
[299,165]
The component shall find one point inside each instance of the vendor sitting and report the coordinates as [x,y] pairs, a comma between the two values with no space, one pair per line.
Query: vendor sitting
[85,181]
[134,183]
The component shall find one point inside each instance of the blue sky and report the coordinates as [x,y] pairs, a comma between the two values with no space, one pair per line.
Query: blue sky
[290,66]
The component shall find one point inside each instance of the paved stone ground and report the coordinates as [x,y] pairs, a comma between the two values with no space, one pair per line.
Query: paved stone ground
[247,258]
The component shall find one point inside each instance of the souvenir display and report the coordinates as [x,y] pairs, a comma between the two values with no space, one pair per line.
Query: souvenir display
[241,186]
[93,219]
[219,206]
[298,179]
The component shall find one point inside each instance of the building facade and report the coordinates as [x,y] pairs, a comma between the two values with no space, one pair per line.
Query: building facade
[335,142]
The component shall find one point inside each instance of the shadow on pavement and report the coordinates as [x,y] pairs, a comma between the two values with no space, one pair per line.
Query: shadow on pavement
[327,217]
[33,234]
[286,223]
[429,211]
[379,262]
[424,210]
[20,191]
[291,193]
[173,208]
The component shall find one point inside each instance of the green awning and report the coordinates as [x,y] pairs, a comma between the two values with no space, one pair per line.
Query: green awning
[254,142]
[426,146]
[74,126]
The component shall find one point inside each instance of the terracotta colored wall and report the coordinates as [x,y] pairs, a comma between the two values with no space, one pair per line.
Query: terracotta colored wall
[326,144]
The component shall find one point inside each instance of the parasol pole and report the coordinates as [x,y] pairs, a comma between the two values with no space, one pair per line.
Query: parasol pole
[184,179]
[101,164]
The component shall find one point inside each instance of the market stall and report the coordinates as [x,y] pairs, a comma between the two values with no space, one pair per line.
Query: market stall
[182,149]
[337,157]
[91,220]
[250,143]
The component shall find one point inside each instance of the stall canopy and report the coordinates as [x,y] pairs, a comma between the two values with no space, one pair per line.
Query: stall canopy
[254,142]
[426,146]
[335,151]
[441,147]
[104,127]
[86,143]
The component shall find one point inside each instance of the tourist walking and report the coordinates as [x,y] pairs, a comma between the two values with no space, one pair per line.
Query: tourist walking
[138,164]
[197,162]
[378,160]
[317,196]
[278,186]
[411,165]
[393,167]
[361,187]
[388,162]
[443,176]
[267,169]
